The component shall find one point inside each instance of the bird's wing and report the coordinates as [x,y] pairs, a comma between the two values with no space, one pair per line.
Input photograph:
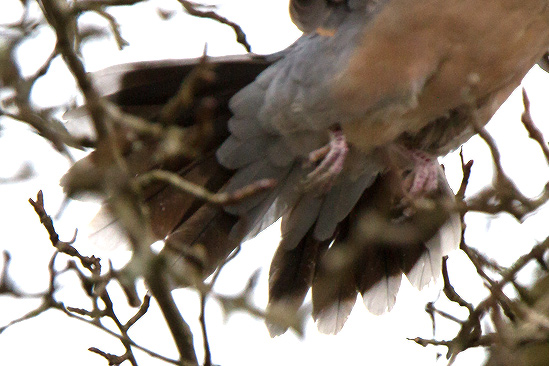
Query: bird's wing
[143,88]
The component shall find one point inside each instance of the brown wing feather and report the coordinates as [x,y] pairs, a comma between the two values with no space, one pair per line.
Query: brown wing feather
[291,275]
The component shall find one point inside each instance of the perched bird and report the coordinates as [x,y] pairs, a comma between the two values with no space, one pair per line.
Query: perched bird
[349,122]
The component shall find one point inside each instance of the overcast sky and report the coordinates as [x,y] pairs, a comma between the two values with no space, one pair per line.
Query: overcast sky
[241,340]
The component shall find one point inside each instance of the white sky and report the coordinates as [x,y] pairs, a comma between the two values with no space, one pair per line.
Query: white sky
[242,340]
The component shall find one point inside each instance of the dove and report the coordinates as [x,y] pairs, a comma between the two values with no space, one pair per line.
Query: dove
[348,122]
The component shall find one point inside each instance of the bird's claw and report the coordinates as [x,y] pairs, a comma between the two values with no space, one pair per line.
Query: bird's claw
[329,161]
[423,178]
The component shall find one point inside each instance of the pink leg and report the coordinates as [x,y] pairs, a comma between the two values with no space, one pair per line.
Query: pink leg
[424,175]
[329,159]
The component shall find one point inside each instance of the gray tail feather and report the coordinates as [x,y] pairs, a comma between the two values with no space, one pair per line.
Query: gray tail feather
[369,252]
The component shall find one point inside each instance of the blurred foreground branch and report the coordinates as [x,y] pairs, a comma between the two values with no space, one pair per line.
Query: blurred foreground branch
[520,323]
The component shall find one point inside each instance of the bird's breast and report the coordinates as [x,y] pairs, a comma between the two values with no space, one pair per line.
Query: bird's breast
[421,59]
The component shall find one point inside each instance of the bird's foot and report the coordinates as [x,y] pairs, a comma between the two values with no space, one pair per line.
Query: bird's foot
[329,161]
[422,178]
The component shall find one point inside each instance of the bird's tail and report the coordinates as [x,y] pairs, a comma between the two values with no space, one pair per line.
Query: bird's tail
[383,238]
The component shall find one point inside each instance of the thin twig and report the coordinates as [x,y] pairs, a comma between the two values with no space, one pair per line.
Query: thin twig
[202,319]
[91,263]
[466,171]
[140,313]
[113,359]
[533,131]
[118,336]
[223,198]
[181,332]
[483,341]
[83,5]
[449,290]
[115,28]
[504,196]
[431,309]
[191,8]
[466,335]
